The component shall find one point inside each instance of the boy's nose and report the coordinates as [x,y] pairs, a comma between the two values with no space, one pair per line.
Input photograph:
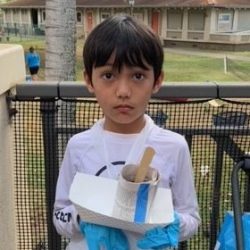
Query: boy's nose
[123,90]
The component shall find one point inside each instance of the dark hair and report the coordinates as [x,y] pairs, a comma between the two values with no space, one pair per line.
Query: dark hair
[31,49]
[134,44]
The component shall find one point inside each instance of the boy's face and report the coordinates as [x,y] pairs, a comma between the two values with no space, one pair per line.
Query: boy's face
[123,96]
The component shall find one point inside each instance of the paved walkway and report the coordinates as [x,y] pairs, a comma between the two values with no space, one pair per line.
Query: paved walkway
[204,53]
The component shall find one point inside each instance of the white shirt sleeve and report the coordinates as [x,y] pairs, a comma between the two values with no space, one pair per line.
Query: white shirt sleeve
[184,194]
[65,214]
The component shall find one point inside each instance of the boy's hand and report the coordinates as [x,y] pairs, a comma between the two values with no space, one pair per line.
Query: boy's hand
[102,237]
[158,238]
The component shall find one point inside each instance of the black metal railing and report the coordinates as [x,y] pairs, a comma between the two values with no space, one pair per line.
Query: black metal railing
[8,30]
[213,118]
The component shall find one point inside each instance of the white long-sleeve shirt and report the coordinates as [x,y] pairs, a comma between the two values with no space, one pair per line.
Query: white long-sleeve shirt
[102,153]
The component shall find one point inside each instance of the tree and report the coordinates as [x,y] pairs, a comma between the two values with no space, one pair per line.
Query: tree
[60,31]
[60,35]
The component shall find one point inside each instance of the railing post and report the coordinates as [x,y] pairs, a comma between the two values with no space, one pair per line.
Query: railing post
[216,190]
[189,138]
[239,232]
[246,207]
[247,195]
[238,222]
[48,111]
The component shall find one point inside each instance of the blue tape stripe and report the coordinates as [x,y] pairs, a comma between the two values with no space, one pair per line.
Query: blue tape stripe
[141,203]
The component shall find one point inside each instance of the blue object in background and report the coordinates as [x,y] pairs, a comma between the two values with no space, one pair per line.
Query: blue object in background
[227,239]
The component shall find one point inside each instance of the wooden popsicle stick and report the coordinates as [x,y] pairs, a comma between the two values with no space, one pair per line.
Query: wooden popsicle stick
[144,164]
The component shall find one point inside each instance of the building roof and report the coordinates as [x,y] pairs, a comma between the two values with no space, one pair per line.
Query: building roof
[139,3]
[24,4]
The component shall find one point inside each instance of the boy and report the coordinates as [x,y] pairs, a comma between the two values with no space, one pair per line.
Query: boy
[123,68]
[33,63]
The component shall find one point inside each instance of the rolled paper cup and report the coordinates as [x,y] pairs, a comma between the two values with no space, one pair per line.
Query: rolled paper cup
[133,200]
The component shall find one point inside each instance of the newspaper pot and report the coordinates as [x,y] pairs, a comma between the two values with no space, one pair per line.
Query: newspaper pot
[133,200]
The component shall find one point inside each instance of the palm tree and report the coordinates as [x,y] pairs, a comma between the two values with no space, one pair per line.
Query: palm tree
[60,40]
[60,33]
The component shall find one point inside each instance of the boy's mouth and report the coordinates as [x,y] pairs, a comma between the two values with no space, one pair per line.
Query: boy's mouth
[123,108]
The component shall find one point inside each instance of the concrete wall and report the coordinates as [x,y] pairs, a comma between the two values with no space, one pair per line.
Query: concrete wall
[12,71]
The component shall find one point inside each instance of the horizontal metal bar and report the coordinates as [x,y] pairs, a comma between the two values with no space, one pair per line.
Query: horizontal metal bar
[74,89]
[168,90]
[187,90]
[37,89]
[239,90]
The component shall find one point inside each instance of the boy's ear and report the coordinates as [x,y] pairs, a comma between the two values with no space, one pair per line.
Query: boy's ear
[158,83]
[88,82]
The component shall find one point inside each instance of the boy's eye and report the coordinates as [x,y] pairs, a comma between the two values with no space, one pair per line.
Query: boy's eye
[138,76]
[107,76]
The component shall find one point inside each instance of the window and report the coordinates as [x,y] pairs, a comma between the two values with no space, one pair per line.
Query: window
[196,20]
[79,17]
[104,16]
[225,22]
[225,17]
[174,19]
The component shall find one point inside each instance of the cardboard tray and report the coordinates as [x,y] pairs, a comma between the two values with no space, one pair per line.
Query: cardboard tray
[94,199]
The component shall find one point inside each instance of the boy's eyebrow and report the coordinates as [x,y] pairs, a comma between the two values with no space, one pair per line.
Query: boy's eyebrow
[108,64]
[147,67]
[105,65]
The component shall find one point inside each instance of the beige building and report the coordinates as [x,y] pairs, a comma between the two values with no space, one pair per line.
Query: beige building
[196,23]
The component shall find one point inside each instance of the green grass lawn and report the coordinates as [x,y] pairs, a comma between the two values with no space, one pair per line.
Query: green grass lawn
[200,69]
[177,68]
